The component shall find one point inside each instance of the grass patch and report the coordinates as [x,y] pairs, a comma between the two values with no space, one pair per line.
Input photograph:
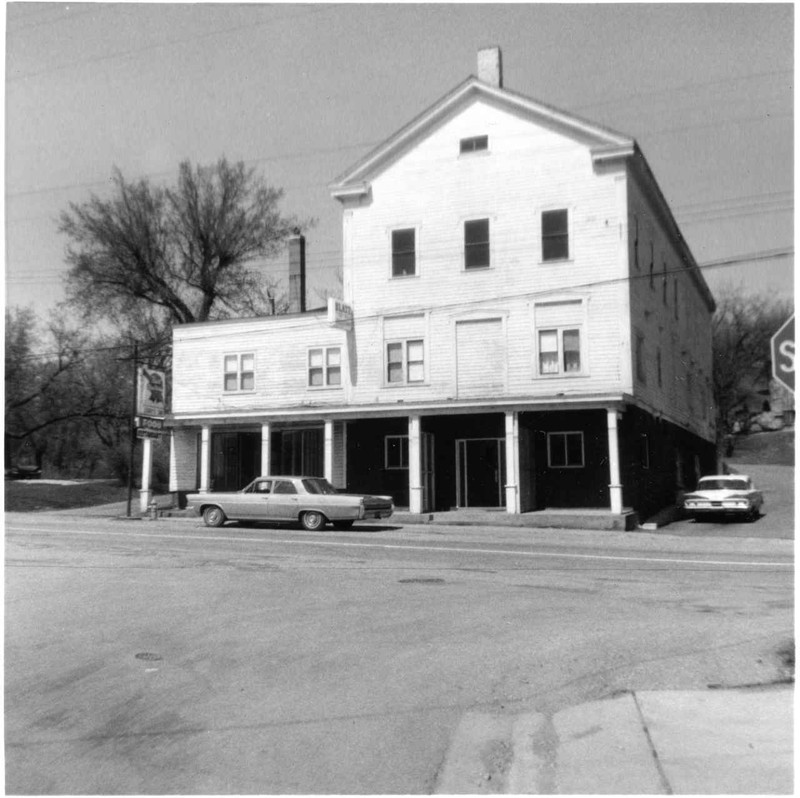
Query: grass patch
[764,448]
[24,496]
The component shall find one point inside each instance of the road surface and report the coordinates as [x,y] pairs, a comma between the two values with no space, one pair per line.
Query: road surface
[163,657]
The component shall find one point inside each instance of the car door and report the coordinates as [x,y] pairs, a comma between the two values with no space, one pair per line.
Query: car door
[253,505]
[284,501]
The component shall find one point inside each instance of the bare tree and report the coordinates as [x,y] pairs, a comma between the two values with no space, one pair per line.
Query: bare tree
[151,257]
[742,328]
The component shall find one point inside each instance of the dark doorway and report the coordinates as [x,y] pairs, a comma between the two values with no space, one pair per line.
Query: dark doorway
[481,470]
[235,459]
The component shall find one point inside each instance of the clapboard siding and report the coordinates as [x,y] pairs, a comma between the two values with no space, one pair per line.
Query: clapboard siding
[684,393]
[528,168]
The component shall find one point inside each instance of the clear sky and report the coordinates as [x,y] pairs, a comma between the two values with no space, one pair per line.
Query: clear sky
[301,92]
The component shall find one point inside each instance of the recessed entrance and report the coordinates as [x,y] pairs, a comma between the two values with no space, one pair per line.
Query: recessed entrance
[480,472]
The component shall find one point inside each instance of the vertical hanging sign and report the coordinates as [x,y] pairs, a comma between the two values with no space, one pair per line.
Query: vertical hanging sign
[150,393]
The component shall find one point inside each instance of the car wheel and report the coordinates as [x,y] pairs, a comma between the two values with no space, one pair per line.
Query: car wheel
[213,516]
[342,524]
[753,515]
[312,520]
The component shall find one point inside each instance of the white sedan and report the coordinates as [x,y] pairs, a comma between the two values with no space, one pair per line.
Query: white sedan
[724,494]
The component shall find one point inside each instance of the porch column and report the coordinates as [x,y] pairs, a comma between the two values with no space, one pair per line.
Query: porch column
[414,465]
[205,459]
[328,462]
[147,469]
[615,487]
[512,462]
[265,439]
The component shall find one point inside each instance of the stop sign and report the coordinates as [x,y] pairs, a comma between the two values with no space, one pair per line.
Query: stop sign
[782,346]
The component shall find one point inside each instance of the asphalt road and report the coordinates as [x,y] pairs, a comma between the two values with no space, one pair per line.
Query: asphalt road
[162,657]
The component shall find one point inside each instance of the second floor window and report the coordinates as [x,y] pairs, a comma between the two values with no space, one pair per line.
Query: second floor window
[404,252]
[641,374]
[240,373]
[559,351]
[325,367]
[405,362]
[476,244]
[555,235]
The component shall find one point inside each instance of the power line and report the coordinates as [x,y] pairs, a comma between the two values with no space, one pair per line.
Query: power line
[168,43]
[655,277]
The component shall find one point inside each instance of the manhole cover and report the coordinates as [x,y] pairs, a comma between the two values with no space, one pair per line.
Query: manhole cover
[148,656]
[422,580]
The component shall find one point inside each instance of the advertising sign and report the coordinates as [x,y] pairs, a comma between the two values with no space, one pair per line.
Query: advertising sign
[150,393]
[339,314]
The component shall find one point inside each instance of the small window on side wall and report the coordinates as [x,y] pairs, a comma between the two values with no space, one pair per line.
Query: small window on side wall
[404,252]
[555,235]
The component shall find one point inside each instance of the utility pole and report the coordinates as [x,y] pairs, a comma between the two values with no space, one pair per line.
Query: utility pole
[134,395]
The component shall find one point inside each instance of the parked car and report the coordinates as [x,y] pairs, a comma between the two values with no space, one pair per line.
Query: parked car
[724,494]
[24,471]
[311,501]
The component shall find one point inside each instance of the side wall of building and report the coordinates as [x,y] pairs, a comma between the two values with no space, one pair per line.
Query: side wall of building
[670,323]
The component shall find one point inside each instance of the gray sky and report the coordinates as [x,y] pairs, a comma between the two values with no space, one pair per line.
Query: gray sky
[303,91]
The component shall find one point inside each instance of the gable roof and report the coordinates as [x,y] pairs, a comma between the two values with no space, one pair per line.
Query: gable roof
[604,143]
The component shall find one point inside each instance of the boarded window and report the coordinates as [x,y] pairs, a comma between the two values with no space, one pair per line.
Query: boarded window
[481,357]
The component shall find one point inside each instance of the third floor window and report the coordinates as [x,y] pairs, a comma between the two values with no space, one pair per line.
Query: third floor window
[555,235]
[404,252]
[476,244]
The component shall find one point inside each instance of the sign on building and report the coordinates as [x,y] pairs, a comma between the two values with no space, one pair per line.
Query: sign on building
[782,347]
[150,393]
[339,314]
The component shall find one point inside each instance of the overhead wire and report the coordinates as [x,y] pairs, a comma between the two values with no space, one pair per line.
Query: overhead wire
[657,276]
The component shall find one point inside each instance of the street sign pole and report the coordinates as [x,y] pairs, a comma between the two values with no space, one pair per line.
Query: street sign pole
[131,458]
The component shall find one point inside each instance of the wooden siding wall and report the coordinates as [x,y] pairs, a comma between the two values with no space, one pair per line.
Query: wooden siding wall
[685,395]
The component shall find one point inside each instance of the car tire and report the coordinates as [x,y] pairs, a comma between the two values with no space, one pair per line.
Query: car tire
[213,516]
[343,524]
[312,520]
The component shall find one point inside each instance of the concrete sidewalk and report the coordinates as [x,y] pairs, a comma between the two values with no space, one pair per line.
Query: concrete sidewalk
[650,743]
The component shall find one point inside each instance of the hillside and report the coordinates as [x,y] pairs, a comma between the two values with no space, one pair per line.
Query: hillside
[764,448]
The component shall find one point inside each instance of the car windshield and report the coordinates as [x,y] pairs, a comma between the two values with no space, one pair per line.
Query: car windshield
[723,484]
[318,485]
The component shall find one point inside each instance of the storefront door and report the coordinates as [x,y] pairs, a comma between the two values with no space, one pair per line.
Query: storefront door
[480,472]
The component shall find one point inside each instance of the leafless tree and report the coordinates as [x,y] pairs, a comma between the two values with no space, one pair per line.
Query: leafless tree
[152,256]
[742,327]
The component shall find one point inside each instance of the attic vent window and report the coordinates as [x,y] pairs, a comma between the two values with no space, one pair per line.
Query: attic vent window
[474,144]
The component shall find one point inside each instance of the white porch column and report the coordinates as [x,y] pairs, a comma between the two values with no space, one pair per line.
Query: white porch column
[414,465]
[205,459]
[328,462]
[147,468]
[265,438]
[512,461]
[615,487]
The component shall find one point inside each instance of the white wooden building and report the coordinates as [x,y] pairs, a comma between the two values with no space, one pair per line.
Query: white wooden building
[529,329]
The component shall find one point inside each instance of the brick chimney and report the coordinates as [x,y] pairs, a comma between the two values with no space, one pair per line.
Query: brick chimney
[490,66]
[297,273]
